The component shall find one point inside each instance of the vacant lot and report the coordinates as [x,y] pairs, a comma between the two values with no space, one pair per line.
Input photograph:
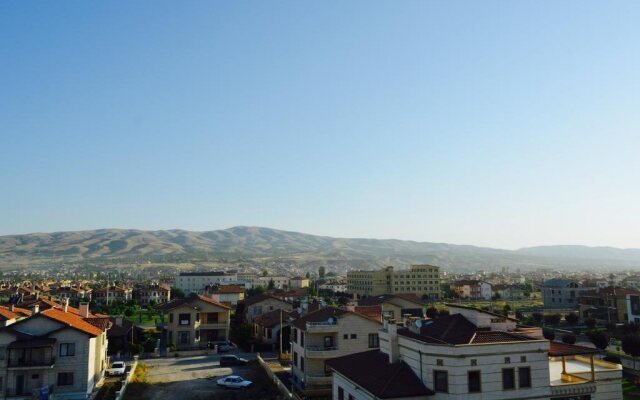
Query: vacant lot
[195,379]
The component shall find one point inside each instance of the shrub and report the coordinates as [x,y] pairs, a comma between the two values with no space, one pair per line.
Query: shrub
[569,338]
[600,340]
[590,323]
[549,334]
[552,319]
[572,318]
[432,312]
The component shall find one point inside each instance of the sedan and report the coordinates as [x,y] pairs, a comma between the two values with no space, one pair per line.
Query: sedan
[233,382]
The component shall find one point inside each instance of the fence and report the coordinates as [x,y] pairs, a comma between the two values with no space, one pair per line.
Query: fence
[127,379]
[281,387]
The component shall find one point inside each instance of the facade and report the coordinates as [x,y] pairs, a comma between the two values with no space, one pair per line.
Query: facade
[194,322]
[560,293]
[267,327]
[279,282]
[113,294]
[472,289]
[608,304]
[258,305]
[153,293]
[324,334]
[334,286]
[226,293]
[393,306]
[474,354]
[633,307]
[298,282]
[509,292]
[422,280]
[54,350]
[195,282]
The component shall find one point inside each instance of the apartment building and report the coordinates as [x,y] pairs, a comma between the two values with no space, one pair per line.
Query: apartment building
[152,293]
[473,354]
[608,304]
[422,280]
[258,305]
[194,322]
[560,293]
[57,350]
[231,294]
[334,286]
[472,289]
[325,334]
[298,282]
[394,306]
[279,282]
[195,282]
[113,294]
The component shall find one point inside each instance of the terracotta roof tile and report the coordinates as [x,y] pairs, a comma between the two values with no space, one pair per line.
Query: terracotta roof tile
[72,320]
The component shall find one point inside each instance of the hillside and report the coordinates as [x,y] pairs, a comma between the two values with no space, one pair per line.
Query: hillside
[254,242]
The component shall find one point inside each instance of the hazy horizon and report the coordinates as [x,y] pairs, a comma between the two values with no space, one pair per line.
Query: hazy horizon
[495,124]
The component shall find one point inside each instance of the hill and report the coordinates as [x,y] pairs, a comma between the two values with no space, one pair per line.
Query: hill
[265,243]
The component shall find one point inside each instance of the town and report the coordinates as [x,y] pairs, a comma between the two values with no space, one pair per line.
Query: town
[415,333]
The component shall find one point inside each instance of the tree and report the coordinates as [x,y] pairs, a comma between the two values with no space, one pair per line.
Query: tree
[272,284]
[264,273]
[572,318]
[432,312]
[537,317]
[600,340]
[631,346]
[308,275]
[552,319]
[549,334]
[177,293]
[321,272]
[569,338]
[443,313]
[590,323]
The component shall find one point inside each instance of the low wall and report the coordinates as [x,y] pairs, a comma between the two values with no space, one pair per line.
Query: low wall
[127,379]
[281,387]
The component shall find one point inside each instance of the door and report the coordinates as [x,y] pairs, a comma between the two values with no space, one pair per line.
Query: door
[20,384]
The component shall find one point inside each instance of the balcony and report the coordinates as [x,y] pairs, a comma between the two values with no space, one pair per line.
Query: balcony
[318,380]
[21,363]
[322,326]
[321,352]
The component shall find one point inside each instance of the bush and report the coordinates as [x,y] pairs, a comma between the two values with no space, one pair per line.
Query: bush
[549,334]
[569,338]
[443,313]
[600,340]
[537,317]
[432,312]
[611,326]
[572,318]
[590,323]
[552,319]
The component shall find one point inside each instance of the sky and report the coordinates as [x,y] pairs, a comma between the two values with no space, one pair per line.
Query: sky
[493,123]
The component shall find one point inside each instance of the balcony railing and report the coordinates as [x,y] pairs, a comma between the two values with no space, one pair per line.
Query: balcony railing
[322,326]
[29,363]
[321,351]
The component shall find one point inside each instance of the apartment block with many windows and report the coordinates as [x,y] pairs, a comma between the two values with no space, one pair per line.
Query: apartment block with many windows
[422,280]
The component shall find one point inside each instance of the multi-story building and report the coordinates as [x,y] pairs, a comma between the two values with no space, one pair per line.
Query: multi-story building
[394,306]
[258,305]
[153,293]
[422,280]
[194,321]
[509,292]
[633,308]
[472,289]
[607,304]
[298,282]
[231,294]
[334,286]
[473,354]
[53,351]
[324,334]
[195,282]
[279,282]
[560,293]
[113,294]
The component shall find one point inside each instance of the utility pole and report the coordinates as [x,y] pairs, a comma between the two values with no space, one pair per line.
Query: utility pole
[280,334]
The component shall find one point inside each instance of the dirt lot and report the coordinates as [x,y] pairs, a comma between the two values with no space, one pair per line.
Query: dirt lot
[195,379]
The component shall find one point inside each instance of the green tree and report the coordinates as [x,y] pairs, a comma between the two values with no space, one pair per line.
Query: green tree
[177,293]
[631,346]
[272,284]
[321,272]
[600,340]
[569,338]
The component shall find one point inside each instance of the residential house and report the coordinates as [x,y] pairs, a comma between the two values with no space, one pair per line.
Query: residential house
[325,334]
[267,327]
[153,293]
[11,314]
[255,306]
[608,304]
[226,293]
[298,282]
[195,282]
[194,322]
[279,282]
[561,293]
[472,289]
[394,306]
[112,294]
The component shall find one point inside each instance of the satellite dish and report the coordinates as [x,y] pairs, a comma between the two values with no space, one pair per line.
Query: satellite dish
[419,323]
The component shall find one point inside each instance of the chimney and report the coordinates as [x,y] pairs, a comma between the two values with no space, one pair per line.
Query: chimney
[35,308]
[394,348]
[12,307]
[66,305]
[37,295]
[84,310]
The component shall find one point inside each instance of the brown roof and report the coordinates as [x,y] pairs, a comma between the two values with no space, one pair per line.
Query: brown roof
[324,314]
[261,297]
[6,314]
[227,289]
[376,300]
[188,300]
[374,312]
[372,371]
[484,337]
[481,311]
[272,318]
[558,349]
[73,321]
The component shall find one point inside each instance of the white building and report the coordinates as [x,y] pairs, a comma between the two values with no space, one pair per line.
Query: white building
[334,286]
[195,282]
[473,354]
[279,282]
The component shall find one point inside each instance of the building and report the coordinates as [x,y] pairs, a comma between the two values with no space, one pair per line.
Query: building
[394,306]
[153,293]
[226,293]
[256,306]
[12,314]
[298,282]
[279,282]
[195,282]
[422,280]
[53,350]
[325,334]
[633,308]
[194,322]
[267,327]
[334,286]
[472,289]
[473,354]
[510,292]
[560,293]
[607,304]
[113,294]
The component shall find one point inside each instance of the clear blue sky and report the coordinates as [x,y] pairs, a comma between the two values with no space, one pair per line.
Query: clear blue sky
[503,123]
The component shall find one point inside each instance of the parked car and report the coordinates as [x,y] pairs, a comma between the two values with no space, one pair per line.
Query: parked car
[233,382]
[232,360]
[117,368]
[225,346]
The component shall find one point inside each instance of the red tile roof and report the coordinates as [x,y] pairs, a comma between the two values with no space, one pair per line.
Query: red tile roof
[73,321]
[272,318]
[558,349]
[189,300]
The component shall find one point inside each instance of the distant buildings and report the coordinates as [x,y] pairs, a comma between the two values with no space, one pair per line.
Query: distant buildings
[607,304]
[231,294]
[560,293]
[422,280]
[298,282]
[472,289]
[112,293]
[195,282]
[153,293]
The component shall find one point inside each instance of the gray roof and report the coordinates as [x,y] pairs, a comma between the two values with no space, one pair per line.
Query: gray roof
[558,283]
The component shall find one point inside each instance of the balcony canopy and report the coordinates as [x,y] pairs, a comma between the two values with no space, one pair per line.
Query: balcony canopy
[557,349]
[31,343]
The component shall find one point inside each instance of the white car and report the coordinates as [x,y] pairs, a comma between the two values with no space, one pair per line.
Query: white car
[117,369]
[233,382]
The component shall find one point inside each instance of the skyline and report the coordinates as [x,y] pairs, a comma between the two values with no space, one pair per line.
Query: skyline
[494,124]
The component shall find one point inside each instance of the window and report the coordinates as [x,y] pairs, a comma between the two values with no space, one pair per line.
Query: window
[508,379]
[3,351]
[295,359]
[507,360]
[523,358]
[439,362]
[351,397]
[524,377]
[345,336]
[302,364]
[474,362]
[328,341]
[294,333]
[184,319]
[340,393]
[440,381]
[301,338]
[171,318]
[184,337]
[65,378]
[35,376]
[474,381]
[67,349]
[374,341]
[354,336]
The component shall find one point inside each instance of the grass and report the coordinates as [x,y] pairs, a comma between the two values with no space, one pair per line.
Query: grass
[627,389]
